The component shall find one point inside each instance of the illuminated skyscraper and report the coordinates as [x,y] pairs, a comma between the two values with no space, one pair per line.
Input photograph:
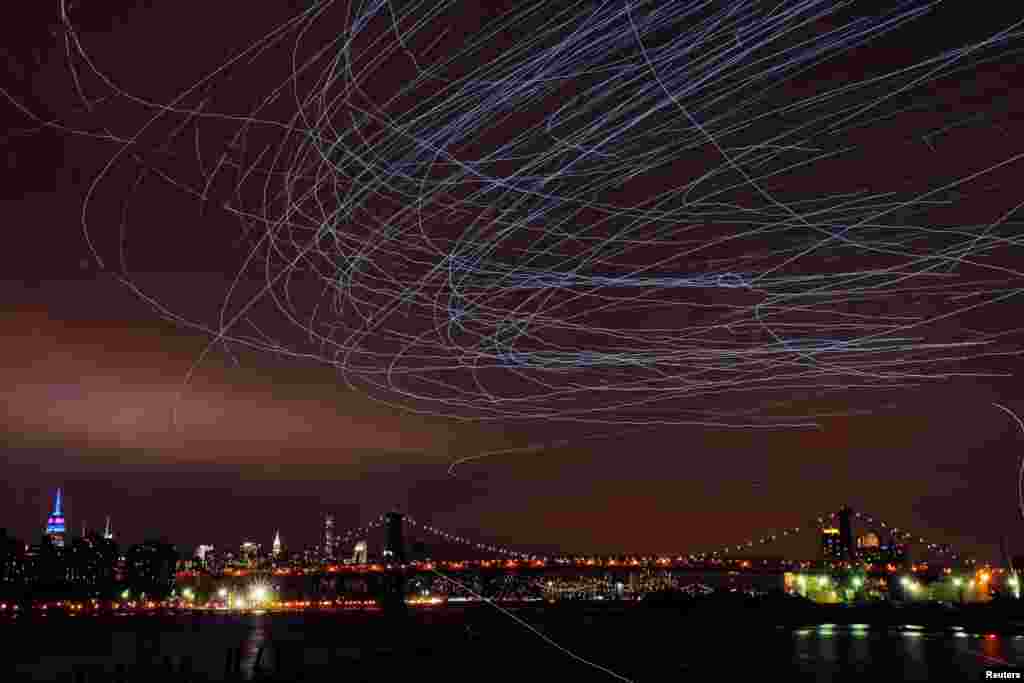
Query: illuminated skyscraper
[55,524]
[249,553]
[202,551]
[107,532]
[277,544]
[329,545]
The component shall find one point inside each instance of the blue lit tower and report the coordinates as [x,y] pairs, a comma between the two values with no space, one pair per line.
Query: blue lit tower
[55,524]
[394,544]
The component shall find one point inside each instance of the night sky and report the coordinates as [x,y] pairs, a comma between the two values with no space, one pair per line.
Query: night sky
[122,396]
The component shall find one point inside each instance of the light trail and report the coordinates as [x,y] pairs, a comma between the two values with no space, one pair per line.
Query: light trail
[617,213]
[1020,473]
[530,627]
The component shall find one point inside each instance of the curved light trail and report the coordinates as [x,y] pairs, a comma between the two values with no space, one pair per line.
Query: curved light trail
[1020,473]
[618,213]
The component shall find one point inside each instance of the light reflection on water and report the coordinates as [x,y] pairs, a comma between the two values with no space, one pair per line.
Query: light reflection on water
[910,651]
[251,649]
[869,652]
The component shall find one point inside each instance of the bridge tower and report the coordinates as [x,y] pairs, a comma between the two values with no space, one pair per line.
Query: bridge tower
[394,543]
[392,586]
[845,533]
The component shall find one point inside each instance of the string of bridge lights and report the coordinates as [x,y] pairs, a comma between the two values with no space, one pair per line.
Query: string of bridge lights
[908,537]
[899,535]
[817,523]
[763,540]
[616,218]
[454,538]
[357,532]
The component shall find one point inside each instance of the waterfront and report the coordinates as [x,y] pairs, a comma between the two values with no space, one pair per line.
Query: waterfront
[466,643]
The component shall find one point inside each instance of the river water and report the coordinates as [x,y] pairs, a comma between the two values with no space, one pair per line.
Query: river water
[456,645]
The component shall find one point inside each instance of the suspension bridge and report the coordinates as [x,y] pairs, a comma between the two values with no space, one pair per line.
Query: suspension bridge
[485,570]
[492,554]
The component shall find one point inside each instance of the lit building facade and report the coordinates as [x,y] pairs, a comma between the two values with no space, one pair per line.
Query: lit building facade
[150,568]
[249,553]
[868,541]
[831,545]
[204,555]
[885,553]
[360,554]
[91,562]
[328,541]
[12,561]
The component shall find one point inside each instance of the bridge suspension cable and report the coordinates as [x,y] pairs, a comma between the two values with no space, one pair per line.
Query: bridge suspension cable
[900,535]
[816,523]
[763,540]
[455,538]
[908,537]
[356,532]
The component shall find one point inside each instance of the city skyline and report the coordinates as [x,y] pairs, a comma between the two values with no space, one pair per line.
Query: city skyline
[640,339]
[583,326]
[839,539]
